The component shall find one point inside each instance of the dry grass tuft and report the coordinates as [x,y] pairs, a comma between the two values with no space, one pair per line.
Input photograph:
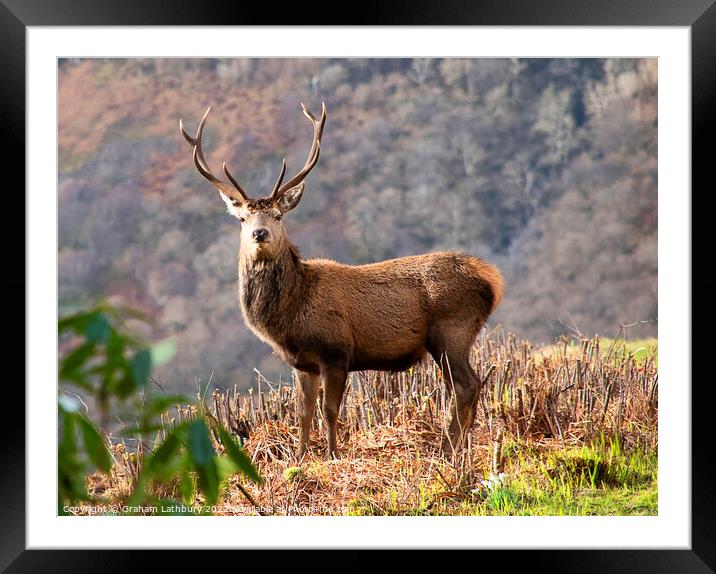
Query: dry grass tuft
[392,424]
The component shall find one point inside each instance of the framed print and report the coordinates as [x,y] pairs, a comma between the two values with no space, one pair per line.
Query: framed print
[464,307]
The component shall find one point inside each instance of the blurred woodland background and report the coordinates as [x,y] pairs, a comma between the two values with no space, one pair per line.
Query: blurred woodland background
[546,167]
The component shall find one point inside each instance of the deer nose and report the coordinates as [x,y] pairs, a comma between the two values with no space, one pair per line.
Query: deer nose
[260,234]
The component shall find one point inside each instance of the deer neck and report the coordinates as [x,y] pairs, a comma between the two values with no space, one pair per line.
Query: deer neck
[270,291]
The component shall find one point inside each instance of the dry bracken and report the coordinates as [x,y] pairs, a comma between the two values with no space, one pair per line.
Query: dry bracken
[392,426]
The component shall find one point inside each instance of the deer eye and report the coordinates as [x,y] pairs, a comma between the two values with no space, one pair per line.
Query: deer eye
[241,219]
[278,217]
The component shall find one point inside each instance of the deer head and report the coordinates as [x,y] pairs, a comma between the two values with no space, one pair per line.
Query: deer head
[262,231]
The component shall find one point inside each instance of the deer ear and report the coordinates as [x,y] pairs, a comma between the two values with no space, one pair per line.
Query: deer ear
[290,199]
[232,205]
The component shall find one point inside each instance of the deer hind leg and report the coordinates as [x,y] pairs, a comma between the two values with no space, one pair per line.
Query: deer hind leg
[462,383]
[307,386]
[334,385]
[466,388]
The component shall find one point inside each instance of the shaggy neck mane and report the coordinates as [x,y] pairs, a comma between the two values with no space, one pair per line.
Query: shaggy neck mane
[268,288]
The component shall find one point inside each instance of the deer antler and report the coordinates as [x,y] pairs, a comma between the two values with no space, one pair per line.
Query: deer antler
[280,177]
[313,154]
[236,192]
[203,167]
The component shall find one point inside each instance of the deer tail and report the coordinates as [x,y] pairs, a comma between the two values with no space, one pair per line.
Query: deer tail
[492,276]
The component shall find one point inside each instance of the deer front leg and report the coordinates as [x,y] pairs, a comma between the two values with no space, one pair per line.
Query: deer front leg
[334,384]
[307,386]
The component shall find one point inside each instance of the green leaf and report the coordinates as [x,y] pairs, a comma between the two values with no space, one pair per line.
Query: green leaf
[201,455]
[201,450]
[67,428]
[124,386]
[71,469]
[94,445]
[75,360]
[163,352]
[115,345]
[75,322]
[225,467]
[139,495]
[209,481]
[238,456]
[97,328]
[165,455]
[141,367]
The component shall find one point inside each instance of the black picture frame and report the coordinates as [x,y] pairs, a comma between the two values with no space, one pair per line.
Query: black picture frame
[699,15]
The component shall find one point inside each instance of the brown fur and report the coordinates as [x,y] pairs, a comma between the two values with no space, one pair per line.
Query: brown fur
[326,319]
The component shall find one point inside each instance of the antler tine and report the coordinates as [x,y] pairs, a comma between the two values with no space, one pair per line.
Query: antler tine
[280,177]
[310,116]
[317,127]
[196,156]
[235,183]
[196,142]
[313,154]
[203,167]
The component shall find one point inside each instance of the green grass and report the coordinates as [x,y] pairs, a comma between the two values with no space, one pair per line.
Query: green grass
[585,502]
[595,480]
[640,348]
[521,500]
[598,479]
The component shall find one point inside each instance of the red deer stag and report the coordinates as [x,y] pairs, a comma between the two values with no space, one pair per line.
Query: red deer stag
[326,319]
